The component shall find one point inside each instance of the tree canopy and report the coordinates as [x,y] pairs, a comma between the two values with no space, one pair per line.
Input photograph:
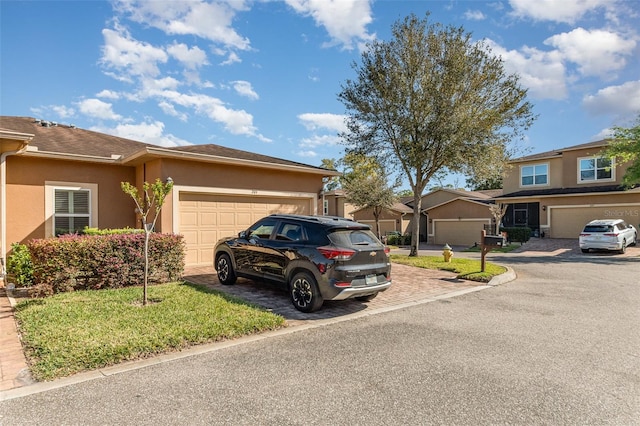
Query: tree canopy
[431,99]
[625,146]
[366,186]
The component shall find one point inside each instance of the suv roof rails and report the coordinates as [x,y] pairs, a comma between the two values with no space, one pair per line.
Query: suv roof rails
[311,218]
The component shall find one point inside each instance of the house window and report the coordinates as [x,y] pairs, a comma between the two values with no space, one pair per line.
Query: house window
[325,207]
[71,211]
[534,175]
[595,169]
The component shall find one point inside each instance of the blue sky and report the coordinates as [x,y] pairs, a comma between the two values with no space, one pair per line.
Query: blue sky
[263,76]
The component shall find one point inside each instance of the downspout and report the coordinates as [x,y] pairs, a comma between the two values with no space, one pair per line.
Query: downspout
[3,206]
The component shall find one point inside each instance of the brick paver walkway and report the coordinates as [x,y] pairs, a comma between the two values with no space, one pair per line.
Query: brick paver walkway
[13,365]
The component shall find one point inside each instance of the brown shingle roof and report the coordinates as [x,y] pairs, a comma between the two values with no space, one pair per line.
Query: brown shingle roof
[66,139]
[558,152]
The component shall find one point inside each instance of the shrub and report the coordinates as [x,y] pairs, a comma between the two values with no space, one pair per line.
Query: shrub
[96,231]
[517,234]
[76,262]
[19,265]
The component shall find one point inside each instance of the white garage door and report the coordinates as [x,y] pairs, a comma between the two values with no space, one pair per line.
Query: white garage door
[205,218]
[459,232]
[568,222]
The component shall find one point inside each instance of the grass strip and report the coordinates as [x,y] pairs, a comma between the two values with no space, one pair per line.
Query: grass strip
[468,269]
[72,332]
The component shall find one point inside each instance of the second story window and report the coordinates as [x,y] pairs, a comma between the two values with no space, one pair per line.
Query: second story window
[595,169]
[534,175]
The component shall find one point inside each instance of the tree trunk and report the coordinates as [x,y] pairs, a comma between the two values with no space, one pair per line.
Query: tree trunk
[415,224]
[146,267]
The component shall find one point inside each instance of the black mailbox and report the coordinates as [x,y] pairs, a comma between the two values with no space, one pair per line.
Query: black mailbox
[494,241]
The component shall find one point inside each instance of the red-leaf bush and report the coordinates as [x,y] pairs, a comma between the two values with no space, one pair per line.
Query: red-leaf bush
[78,262]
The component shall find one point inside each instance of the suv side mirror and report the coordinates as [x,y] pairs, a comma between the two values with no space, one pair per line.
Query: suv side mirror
[242,234]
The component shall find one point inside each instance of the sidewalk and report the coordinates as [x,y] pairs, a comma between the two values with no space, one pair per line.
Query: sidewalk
[13,365]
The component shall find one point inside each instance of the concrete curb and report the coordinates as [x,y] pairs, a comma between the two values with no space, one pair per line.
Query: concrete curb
[504,278]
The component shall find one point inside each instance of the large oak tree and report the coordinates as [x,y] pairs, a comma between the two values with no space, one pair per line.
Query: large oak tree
[431,99]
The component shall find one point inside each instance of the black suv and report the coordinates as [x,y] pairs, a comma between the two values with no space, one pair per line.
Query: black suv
[316,258]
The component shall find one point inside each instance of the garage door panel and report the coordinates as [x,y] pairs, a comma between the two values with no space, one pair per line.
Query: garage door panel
[461,233]
[205,218]
[569,222]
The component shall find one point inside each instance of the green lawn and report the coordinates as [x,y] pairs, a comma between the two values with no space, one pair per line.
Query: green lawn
[468,269]
[71,332]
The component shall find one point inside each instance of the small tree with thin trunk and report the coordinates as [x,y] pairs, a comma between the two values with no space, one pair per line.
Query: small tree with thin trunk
[154,197]
[498,211]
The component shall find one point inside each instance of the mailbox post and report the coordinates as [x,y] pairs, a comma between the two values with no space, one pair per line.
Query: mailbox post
[487,243]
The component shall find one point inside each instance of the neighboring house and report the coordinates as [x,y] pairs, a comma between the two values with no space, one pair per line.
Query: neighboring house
[556,192]
[394,219]
[454,216]
[56,179]
[334,203]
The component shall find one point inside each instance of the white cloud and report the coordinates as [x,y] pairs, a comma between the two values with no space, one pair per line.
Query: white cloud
[333,122]
[307,154]
[474,15]
[597,52]
[541,72]
[622,101]
[344,20]
[568,11]
[108,94]
[170,109]
[63,111]
[233,58]
[244,89]
[320,141]
[192,58]
[152,133]
[98,109]
[237,122]
[134,58]
[208,20]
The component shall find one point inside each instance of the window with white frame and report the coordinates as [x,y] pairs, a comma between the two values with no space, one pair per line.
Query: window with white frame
[594,169]
[72,210]
[534,175]
[325,207]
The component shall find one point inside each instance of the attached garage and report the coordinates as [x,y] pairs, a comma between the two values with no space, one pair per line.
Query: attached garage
[204,218]
[386,225]
[568,221]
[463,232]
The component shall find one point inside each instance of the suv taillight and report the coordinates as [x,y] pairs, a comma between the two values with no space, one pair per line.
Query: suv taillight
[335,253]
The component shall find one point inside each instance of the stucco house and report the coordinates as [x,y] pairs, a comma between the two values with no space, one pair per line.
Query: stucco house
[57,178]
[397,218]
[556,192]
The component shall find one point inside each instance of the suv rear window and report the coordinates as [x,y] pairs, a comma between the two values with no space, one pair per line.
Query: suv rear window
[353,237]
[598,228]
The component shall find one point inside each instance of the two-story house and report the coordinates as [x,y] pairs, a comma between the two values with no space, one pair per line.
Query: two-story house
[556,192]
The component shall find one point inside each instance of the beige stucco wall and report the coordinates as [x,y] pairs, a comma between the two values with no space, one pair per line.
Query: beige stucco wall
[437,197]
[563,172]
[26,178]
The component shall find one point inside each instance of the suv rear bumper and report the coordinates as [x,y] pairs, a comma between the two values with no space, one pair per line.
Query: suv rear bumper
[349,292]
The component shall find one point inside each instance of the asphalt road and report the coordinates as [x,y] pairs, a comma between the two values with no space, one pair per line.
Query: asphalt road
[558,346]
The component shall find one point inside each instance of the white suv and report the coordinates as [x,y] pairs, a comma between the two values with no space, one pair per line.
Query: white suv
[607,234]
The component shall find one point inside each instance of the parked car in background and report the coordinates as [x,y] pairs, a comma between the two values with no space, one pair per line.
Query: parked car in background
[607,234]
[316,258]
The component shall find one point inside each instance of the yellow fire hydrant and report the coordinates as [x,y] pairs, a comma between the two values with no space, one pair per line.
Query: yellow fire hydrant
[447,253]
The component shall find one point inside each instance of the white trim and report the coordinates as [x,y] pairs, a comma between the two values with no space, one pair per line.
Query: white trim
[49,197]
[177,189]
